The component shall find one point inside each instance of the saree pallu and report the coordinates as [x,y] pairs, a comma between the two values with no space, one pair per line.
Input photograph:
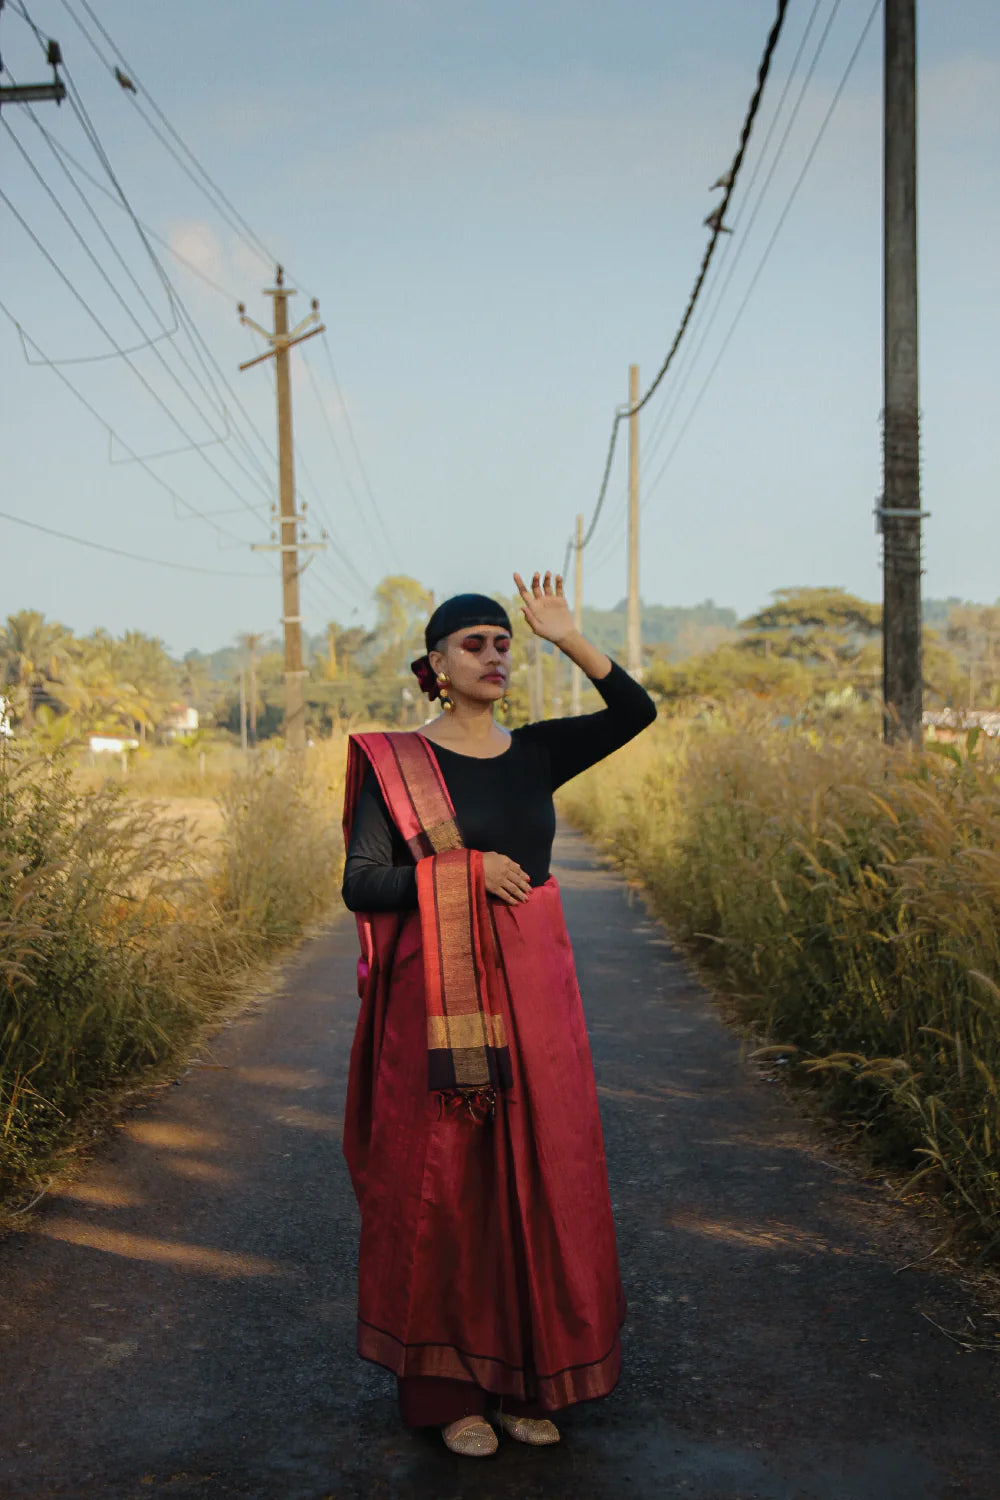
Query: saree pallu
[487,1247]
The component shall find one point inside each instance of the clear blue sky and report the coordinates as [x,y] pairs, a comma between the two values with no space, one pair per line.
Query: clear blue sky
[500,207]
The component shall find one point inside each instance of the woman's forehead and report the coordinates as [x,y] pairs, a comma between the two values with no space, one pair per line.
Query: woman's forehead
[494,630]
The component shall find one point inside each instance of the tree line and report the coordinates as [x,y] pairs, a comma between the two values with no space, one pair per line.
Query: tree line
[806,643]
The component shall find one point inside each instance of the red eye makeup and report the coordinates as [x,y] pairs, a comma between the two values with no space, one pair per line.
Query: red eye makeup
[475,643]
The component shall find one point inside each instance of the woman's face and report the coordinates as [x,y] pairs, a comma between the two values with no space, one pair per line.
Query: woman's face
[476,661]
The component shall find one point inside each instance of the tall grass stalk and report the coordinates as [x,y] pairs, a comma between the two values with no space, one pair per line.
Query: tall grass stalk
[850,898]
[121,934]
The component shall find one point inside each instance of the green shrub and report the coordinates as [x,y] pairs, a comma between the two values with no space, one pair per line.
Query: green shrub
[850,897]
[121,933]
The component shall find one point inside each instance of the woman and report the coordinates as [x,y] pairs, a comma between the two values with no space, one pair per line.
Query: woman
[488,1273]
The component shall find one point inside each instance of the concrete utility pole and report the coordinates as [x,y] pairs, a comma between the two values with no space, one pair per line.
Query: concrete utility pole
[289,544]
[633,618]
[576,680]
[899,513]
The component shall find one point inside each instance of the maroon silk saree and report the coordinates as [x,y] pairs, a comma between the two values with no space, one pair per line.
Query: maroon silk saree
[487,1244]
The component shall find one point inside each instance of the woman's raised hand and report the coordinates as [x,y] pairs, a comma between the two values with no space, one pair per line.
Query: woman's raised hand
[506,879]
[545,607]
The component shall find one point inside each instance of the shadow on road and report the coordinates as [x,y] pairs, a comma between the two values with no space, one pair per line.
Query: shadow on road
[179,1321]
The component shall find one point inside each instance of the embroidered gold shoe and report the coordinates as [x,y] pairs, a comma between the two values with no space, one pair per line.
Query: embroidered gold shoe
[475,1440]
[538,1431]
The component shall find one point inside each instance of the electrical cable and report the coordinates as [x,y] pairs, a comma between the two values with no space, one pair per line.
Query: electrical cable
[200,347]
[262,480]
[330,590]
[354,443]
[207,185]
[191,329]
[147,229]
[165,331]
[770,245]
[254,510]
[228,212]
[169,489]
[716,223]
[81,113]
[315,498]
[158,562]
[719,290]
[148,340]
[328,424]
[690,354]
[708,311]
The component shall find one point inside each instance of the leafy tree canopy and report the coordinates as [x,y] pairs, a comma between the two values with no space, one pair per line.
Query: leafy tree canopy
[816,626]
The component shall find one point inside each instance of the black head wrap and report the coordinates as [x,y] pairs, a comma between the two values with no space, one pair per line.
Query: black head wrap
[461,611]
[458,613]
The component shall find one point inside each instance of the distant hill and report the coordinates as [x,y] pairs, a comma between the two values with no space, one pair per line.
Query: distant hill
[675,630]
[223,665]
[936,611]
[678,630]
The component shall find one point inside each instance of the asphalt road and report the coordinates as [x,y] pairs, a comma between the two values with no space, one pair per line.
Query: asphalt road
[179,1321]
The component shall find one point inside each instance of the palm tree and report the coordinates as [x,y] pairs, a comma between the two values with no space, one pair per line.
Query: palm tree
[149,678]
[33,653]
[91,692]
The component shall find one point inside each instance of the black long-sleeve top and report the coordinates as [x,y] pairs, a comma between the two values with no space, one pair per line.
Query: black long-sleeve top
[502,803]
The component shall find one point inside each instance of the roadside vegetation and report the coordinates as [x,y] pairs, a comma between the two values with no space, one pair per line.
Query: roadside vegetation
[848,899]
[123,931]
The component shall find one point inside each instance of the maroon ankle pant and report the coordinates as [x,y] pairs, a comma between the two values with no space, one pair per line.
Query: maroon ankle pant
[428,1401]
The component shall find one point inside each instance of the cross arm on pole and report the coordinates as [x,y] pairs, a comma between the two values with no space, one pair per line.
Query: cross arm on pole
[279,341]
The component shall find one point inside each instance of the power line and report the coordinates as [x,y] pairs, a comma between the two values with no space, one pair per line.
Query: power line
[770,244]
[262,482]
[327,423]
[330,590]
[227,210]
[231,213]
[174,419]
[315,498]
[62,151]
[354,443]
[165,331]
[80,111]
[169,489]
[158,562]
[691,352]
[203,180]
[719,290]
[198,343]
[716,223]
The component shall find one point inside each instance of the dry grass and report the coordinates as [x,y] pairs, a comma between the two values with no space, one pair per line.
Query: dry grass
[202,771]
[124,928]
[851,898]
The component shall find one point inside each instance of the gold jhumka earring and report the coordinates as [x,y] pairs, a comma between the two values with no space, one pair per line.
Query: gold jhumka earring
[446,702]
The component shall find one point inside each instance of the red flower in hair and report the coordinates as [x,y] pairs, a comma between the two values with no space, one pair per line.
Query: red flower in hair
[425,675]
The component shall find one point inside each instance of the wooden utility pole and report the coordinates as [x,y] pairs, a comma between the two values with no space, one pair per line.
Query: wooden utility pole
[37,93]
[633,619]
[289,545]
[576,680]
[899,513]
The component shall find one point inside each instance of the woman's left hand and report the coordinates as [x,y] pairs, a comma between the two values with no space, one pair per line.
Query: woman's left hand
[545,607]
